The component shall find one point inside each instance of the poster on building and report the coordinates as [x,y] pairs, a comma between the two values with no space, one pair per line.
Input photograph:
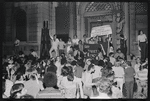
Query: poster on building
[101,30]
[92,49]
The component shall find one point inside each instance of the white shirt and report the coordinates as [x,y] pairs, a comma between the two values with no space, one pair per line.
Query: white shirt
[61,45]
[34,54]
[143,74]
[55,43]
[119,71]
[58,65]
[142,38]
[101,96]
[75,41]
[8,86]
[112,60]
[97,72]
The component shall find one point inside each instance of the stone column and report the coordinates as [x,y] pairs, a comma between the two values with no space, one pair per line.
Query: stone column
[132,37]
[114,36]
[71,26]
[126,27]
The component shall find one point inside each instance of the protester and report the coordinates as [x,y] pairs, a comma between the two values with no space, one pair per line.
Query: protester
[16,45]
[50,80]
[142,44]
[129,79]
[61,45]
[119,54]
[75,41]
[17,91]
[54,47]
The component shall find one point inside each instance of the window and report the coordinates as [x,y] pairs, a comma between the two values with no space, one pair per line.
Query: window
[21,25]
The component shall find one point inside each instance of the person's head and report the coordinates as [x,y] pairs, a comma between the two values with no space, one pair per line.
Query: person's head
[71,48]
[121,35]
[17,90]
[85,35]
[88,61]
[111,54]
[133,57]
[74,63]
[52,68]
[138,60]
[128,63]
[64,71]
[80,41]
[91,68]
[117,64]
[75,36]
[118,50]
[69,39]
[140,32]
[60,39]
[19,77]
[104,85]
[50,79]
[54,36]
[57,58]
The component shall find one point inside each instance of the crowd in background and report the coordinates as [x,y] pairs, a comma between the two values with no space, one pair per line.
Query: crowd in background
[72,73]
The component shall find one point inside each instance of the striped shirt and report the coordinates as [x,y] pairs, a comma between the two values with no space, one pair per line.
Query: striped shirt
[142,75]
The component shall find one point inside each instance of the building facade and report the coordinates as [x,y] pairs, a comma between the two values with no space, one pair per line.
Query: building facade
[24,20]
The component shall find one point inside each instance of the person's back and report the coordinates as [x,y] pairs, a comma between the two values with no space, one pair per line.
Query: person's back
[50,93]
[119,71]
[32,87]
[129,74]
[78,71]
[50,81]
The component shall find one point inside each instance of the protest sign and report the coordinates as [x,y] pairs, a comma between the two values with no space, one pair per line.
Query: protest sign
[101,30]
[92,49]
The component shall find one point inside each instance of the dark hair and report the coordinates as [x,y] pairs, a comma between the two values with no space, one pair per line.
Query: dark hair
[90,66]
[121,35]
[111,53]
[118,49]
[16,88]
[73,63]
[132,57]
[64,71]
[139,32]
[18,76]
[52,68]
[27,96]
[128,63]
[54,35]
[50,79]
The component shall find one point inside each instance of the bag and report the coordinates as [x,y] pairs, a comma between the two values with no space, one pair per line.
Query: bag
[87,91]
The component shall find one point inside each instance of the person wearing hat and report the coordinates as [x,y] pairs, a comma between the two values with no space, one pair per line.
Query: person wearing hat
[119,54]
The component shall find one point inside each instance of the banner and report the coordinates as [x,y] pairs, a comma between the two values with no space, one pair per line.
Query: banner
[92,49]
[101,30]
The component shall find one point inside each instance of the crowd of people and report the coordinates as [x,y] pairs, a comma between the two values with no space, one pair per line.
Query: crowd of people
[74,74]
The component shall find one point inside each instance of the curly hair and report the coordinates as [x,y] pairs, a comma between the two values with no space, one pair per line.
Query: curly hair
[104,85]
[50,79]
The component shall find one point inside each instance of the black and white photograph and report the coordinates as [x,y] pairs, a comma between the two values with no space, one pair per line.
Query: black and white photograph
[75,50]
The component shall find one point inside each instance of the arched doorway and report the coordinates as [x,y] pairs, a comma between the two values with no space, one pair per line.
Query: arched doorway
[20,25]
[99,13]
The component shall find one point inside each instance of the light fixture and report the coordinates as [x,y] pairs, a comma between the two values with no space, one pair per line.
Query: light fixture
[99,20]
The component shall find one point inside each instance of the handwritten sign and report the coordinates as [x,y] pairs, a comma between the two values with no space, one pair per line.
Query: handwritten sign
[101,30]
[92,49]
